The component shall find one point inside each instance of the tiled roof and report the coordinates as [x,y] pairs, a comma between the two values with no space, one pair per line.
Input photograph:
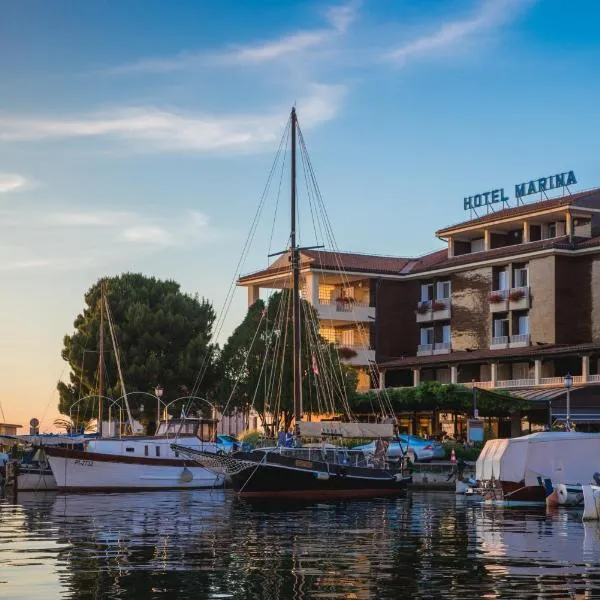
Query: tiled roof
[486,354]
[346,262]
[524,209]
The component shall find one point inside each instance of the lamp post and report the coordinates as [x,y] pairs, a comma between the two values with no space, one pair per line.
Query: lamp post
[568,382]
[158,392]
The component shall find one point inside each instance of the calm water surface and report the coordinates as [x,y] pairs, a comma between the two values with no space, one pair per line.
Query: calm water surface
[201,544]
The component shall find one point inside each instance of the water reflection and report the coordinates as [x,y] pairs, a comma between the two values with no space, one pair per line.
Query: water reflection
[207,544]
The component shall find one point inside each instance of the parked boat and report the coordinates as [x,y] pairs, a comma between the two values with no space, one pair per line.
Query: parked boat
[563,494]
[591,502]
[138,462]
[297,472]
[513,471]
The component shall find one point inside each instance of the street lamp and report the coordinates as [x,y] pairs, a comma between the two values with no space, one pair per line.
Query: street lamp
[568,382]
[158,392]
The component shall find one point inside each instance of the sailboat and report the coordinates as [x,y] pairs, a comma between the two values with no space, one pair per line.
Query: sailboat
[314,471]
[134,462]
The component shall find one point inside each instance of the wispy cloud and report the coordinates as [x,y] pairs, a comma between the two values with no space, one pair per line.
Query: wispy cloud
[101,237]
[489,14]
[156,129]
[11,182]
[338,18]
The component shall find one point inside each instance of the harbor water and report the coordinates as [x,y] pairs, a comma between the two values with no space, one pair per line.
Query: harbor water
[208,544]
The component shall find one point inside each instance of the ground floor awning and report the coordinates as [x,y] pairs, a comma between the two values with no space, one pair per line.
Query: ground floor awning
[584,402]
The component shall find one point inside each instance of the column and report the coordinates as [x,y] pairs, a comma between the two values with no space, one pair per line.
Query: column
[381,379]
[515,424]
[312,288]
[416,377]
[253,294]
[494,373]
[537,371]
[487,239]
[569,223]
[450,247]
[585,368]
[526,232]
[453,374]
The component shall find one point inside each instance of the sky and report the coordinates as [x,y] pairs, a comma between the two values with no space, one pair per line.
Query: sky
[138,136]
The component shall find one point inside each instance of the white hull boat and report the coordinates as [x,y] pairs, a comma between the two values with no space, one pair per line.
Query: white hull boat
[33,481]
[138,463]
[591,503]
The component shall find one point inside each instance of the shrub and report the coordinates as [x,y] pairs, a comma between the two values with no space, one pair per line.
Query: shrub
[250,437]
[470,453]
[516,295]
[346,353]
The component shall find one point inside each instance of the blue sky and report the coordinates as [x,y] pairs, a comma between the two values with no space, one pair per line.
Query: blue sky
[138,136]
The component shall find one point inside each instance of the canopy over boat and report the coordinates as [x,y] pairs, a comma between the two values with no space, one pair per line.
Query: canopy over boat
[345,430]
[562,456]
[45,439]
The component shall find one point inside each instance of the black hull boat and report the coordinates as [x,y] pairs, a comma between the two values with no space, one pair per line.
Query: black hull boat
[289,473]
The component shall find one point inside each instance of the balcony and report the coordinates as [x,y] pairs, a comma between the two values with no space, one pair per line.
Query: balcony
[345,310]
[498,343]
[433,310]
[518,298]
[438,348]
[498,301]
[364,356]
[520,340]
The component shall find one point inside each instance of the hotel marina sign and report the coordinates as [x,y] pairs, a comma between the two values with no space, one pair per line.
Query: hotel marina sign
[541,185]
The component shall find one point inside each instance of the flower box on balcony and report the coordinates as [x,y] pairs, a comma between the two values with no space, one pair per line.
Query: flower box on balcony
[496,297]
[438,305]
[516,295]
[423,307]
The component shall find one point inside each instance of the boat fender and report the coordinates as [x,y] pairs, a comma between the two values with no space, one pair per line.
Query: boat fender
[398,477]
[186,475]
[321,476]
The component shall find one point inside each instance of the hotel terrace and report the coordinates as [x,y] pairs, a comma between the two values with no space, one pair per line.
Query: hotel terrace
[512,303]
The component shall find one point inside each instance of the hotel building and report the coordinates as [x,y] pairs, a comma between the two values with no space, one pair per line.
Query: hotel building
[512,302]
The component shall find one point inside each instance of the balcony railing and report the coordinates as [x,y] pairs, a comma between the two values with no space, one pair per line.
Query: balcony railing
[424,349]
[442,347]
[432,310]
[501,340]
[521,339]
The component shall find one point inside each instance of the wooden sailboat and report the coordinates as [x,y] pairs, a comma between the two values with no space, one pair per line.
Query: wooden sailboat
[309,472]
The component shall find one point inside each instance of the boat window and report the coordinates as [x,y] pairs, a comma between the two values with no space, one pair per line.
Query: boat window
[129,449]
[146,450]
[157,450]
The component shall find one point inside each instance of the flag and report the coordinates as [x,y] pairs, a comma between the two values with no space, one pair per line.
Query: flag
[315,368]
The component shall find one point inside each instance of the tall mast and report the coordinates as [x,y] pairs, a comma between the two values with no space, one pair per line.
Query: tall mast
[295,280]
[101,359]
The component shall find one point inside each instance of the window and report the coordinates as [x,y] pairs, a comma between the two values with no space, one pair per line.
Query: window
[426,336]
[443,290]
[446,334]
[521,278]
[129,449]
[146,450]
[347,337]
[552,230]
[501,327]
[503,280]
[477,245]
[426,292]
[157,450]
[523,325]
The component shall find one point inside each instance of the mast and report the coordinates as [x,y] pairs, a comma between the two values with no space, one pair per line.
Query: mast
[295,259]
[101,359]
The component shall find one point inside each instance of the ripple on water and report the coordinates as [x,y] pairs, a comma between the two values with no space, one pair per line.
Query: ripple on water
[198,544]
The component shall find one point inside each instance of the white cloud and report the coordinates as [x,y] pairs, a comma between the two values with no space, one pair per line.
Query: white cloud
[11,182]
[339,18]
[489,14]
[156,129]
[73,240]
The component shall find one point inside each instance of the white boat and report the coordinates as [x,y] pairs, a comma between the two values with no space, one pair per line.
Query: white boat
[138,462]
[591,502]
[514,471]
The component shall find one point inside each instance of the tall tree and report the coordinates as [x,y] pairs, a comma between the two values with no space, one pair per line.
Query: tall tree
[257,365]
[163,337]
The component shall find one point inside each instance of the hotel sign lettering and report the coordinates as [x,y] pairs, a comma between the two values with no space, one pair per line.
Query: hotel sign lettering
[534,186]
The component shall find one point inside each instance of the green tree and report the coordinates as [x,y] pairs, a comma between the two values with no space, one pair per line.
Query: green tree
[163,337]
[257,363]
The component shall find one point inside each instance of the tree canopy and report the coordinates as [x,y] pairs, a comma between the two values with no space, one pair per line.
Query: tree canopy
[257,363]
[163,337]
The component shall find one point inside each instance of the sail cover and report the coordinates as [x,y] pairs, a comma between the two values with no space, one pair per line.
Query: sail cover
[346,430]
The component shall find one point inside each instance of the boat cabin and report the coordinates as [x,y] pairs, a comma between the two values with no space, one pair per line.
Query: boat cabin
[204,429]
